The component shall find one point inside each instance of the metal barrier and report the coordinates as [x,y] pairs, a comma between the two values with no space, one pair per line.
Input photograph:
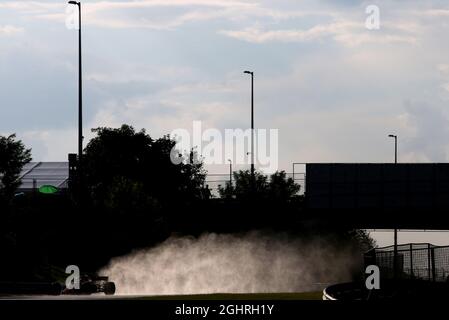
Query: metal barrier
[422,261]
[30,184]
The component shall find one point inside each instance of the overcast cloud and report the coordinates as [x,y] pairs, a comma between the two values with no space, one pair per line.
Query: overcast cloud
[333,88]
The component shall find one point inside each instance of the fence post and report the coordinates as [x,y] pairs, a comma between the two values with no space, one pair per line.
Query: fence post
[432,254]
[429,265]
[34,187]
[411,261]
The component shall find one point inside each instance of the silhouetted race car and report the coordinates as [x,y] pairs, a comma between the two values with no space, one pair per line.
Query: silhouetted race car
[92,284]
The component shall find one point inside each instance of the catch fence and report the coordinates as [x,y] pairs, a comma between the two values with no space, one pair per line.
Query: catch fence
[422,261]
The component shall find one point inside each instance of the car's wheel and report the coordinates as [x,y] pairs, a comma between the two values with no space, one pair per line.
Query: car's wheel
[109,288]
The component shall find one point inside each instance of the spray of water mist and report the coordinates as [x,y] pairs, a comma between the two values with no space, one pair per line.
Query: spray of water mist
[253,262]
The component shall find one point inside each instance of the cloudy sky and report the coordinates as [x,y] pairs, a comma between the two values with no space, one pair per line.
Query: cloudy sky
[332,87]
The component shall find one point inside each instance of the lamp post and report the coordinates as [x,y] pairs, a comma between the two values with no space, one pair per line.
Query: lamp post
[395,258]
[80,91]
[395,147]
[252,127]
[230,172]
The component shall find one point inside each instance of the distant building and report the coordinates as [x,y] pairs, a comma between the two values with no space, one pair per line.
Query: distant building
[37,174]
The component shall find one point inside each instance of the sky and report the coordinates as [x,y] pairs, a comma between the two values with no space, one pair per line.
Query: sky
[332,87]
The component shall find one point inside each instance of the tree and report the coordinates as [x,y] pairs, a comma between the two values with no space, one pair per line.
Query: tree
[13,156]
[363,239]
[226,192]
[243,184]
[121,164]
[275,187]
[242,189]
[281,187]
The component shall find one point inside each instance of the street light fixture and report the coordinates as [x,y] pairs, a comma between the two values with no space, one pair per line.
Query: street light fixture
[395,146]
[252,127]
[230,172]
[80,91]
[395,258]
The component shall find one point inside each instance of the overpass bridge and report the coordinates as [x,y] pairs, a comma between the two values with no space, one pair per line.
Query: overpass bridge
[379,195]
[359,195]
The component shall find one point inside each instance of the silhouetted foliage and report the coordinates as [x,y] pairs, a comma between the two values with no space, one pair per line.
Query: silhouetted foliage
[129,171]
[276,187]
[363,239]
[125,195]
[281,187]
[13,156]
[226,192]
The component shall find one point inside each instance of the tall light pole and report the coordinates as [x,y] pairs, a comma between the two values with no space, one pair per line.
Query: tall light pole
[230,172]
[395,147]
[395,258]
[80,91]
[252,127]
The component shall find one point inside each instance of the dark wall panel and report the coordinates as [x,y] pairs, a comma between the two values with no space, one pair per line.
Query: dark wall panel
[377,185]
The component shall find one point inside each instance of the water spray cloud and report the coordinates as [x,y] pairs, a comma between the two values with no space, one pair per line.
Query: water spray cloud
[254,262]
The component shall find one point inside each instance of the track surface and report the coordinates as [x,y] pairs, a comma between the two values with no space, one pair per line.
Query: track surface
[258,296]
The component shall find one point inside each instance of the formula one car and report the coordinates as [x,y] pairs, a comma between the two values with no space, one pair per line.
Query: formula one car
[92,284]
